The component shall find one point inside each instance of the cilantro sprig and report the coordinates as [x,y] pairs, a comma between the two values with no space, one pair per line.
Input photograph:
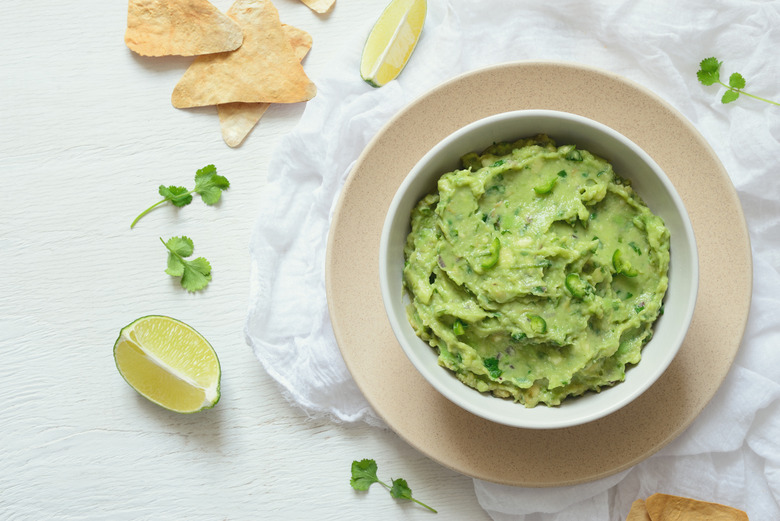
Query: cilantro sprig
[709,74]
[364,475]
[208,185]
[195,274]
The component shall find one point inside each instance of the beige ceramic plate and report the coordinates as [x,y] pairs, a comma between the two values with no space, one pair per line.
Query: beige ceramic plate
[478,447]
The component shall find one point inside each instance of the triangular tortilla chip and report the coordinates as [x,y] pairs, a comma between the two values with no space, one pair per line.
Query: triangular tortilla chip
[264,69]
[299,39]
[664,506]
[238,119]
[638,511]
[319,6]
[179,27]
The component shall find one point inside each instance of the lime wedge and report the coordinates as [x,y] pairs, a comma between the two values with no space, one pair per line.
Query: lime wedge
[392,40]
[169,363]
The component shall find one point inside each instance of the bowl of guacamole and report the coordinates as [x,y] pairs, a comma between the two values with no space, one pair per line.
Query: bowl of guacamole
[538,269]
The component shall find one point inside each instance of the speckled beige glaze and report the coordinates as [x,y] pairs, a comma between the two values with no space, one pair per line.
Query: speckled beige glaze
[478,447]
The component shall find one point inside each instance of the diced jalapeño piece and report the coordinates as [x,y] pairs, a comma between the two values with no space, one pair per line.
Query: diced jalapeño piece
[623,266]
[538,324]
[546,188]
[575,285]
[518,336]
[574,155]
[492,256]
[457,328]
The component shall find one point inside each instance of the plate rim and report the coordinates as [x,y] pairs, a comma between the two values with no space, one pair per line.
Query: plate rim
[338,217]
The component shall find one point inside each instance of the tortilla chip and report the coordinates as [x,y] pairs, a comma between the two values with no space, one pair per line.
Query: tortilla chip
[663,507]
[299,39]
[179,27]
[638,511]
[238,119]
[319,6]
[264,69]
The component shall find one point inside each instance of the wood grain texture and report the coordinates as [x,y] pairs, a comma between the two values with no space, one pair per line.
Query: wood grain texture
[87,135]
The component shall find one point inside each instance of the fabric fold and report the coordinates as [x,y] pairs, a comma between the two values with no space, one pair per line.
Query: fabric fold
[730,453]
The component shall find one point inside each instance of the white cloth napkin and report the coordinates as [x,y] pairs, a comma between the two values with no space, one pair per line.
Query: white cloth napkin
[731,453]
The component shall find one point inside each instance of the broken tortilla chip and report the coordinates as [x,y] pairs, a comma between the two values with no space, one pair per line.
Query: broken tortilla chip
[662,507]
[319,6]
[638,511]
[179,27]
[237,119]
[264,69]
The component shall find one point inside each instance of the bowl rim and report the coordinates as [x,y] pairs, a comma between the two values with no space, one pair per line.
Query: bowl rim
[414,355]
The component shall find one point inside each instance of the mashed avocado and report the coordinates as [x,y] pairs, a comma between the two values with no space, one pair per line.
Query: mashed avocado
[535,271]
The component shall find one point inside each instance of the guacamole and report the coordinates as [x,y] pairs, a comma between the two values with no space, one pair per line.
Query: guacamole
[535,271]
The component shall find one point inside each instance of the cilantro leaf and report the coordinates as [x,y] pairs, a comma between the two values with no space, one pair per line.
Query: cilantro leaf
[400,490]
[195,274]
[709,74]
[364,475]
[178,195]
[729,96]
[180,246]
[737,81]
[208,185]
[710,64]
[175,266]
[208,169]
[491,364]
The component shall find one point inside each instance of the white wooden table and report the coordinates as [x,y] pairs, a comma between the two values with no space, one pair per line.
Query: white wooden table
[87,133]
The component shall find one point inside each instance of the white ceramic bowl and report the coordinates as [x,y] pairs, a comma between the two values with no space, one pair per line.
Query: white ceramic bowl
[629,161]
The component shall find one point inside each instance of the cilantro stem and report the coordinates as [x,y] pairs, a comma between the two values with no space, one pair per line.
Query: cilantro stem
[155,205]
[158,203]
[740,91]
[424,505]
[364,475]
[208,185]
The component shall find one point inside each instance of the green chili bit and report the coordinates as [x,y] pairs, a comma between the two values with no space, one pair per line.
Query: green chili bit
[623,266]
[546,188]
[458,328]
[575,285]
[538,324]
[492,255]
